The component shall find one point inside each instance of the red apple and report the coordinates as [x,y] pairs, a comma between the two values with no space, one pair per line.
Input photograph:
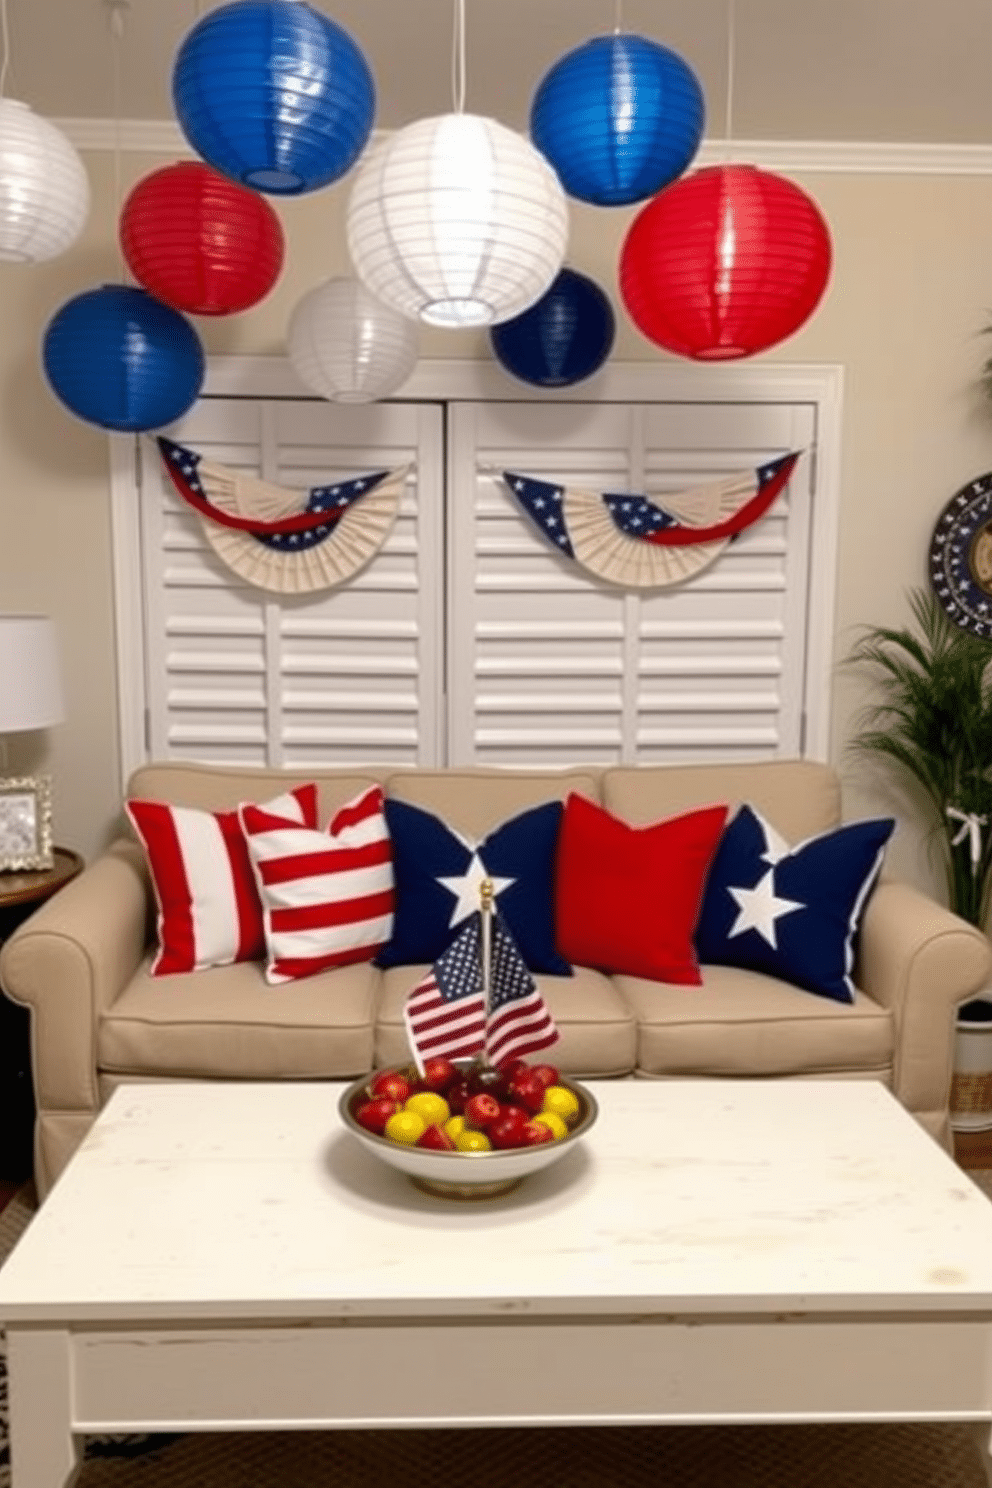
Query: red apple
[548,1074]
[509,1127]
[508,1067]
[390,1083]
[436,1139]
[535,1132]
[527,1089]
[440,1073]
[373,1114]
[456,1096]
[481,1110]
[486,1078]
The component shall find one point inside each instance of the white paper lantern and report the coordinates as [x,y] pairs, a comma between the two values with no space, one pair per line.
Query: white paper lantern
[457,221]
[44,188]
[348,346]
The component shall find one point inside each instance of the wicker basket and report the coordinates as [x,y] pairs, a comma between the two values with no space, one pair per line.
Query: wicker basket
[971,1085]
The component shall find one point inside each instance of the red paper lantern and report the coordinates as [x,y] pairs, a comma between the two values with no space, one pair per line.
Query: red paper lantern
[724,263]
[200,242]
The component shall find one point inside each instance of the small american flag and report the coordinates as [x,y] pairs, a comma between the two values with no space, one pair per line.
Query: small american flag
[446,1012]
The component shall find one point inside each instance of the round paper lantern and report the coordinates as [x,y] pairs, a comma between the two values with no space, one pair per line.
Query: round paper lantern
[457,221]
[118,358]
[44,188]
[565,337]
[274,94]
[200,242]
[725,263]
[349,347]
[619,118]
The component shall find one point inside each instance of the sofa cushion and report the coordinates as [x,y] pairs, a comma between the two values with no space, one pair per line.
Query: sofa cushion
[598,1036]
[225,787]
[627,898]
[474,801]
[438,876]
[327,897]
[799,797]
[745,1023]
[209,912]
[227,1023]
[792,912]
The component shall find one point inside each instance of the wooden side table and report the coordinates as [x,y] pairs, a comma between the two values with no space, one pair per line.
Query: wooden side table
[20,894]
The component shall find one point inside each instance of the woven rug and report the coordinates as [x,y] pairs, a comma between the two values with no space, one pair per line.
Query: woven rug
[841,1456]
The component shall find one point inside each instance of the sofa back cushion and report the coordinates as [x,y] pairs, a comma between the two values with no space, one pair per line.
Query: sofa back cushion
[474,801]
[801,798]
[226,787]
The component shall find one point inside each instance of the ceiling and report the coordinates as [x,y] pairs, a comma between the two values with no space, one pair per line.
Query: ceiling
[884,71]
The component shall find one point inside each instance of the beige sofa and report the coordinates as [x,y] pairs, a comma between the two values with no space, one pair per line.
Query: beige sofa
[80,964]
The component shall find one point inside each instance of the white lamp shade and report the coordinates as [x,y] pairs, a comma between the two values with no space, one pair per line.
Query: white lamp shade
[44,188]
[457,221]
[348,346]
[30,684]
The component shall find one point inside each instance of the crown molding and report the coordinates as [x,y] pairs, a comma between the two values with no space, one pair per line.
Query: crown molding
[854,157]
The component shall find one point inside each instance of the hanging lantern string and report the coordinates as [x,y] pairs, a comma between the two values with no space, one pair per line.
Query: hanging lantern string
[116,28]
[458,58]
[731,49]
[5,34]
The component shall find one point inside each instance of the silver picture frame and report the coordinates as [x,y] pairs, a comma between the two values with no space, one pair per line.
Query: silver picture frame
[26,823]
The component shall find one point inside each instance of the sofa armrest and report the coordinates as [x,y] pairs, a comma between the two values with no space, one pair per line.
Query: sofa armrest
[921,962]
[68,962]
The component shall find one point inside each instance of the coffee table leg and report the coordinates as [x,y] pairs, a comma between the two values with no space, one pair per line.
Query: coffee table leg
[43,1451]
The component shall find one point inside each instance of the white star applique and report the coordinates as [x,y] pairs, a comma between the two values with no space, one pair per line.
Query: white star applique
[466,888]
[759,908]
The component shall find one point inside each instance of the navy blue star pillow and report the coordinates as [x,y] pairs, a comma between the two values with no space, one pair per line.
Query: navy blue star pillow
[438,873]
[791,912]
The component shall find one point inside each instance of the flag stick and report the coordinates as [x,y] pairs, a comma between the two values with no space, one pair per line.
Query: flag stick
[486,950]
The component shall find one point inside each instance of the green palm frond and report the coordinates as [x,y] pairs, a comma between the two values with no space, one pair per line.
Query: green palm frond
[931,718]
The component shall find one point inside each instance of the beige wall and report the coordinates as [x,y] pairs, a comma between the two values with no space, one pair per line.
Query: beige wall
[911,287]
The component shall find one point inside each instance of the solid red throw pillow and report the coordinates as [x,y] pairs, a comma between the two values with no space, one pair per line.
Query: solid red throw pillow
[627,898]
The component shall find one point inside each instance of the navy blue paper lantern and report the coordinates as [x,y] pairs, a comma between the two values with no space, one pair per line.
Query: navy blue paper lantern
[121,359]
[274,95]
[618,118]
[566,336]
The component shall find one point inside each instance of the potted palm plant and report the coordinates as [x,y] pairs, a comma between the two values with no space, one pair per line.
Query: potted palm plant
[931,719]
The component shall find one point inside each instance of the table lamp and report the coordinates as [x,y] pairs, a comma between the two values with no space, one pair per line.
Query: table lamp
[30,698]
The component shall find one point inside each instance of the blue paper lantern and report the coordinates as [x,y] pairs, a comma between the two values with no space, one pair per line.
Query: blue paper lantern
[119,358]
[618,118]
[274,95]
[566,336]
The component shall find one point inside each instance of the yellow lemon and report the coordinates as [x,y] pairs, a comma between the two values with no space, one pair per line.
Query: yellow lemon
[433,1108]
[554,1123]
[454,1126]
[473,1141]
[561,1102]
[405,1126]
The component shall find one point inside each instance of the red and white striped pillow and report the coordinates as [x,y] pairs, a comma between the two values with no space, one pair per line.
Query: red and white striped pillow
[209,911]
[327,897]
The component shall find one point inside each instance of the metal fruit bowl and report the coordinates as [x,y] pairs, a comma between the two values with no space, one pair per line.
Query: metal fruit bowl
[467,1175]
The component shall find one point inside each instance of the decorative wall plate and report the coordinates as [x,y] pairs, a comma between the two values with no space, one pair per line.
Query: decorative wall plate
[961,557]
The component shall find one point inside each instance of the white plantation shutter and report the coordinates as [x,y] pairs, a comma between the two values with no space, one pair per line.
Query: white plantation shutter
[550,665]
[236,674]
[468,638]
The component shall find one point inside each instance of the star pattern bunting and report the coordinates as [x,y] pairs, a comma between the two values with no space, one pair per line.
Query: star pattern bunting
[644,519]
[318,516]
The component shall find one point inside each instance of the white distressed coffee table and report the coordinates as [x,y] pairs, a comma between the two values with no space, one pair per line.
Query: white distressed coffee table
[227,1256]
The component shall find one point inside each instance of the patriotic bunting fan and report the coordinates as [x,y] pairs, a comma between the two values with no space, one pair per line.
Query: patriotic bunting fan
[640,542]
[278,538]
